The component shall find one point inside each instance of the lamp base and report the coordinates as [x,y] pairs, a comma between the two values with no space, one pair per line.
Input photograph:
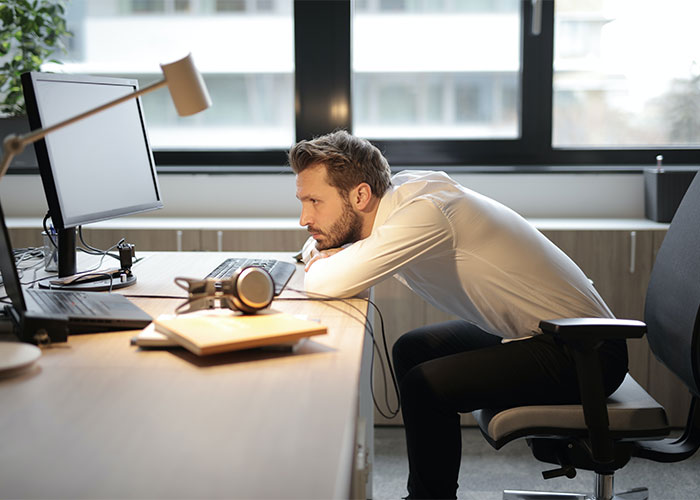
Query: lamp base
[92,284]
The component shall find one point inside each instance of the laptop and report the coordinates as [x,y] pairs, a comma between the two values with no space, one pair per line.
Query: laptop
[56,313]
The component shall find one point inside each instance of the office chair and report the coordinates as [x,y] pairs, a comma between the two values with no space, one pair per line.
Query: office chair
[602,434]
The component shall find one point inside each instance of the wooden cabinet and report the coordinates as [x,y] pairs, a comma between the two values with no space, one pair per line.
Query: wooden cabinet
[26,237]
[156,235]
[253,240]
[157,239]
[618,260]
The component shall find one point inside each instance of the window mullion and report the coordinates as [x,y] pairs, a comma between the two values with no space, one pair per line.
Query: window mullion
[322,66]
[537,73]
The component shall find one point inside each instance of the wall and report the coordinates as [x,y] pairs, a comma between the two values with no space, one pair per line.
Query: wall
[242,195]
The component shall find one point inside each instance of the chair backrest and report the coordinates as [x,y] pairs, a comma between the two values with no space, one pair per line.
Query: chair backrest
[673,297]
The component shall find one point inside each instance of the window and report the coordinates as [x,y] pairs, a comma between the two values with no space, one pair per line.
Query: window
[242,47]
[441,83]
[428,69]
[626,73]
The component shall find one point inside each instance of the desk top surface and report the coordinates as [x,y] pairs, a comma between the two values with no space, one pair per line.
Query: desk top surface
[100,418]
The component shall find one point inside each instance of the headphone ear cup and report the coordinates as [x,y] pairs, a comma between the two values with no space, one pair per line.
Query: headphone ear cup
[253,289]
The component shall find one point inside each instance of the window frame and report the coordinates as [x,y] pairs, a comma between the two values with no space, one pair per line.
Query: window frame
[322,34]
[323,82]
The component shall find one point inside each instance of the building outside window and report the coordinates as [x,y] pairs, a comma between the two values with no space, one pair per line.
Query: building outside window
[626,73]
[243,48]
[428,69]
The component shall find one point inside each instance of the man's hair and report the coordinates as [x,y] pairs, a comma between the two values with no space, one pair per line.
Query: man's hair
[349,161]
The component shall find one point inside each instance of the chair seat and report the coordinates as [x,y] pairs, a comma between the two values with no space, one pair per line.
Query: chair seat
[631,411]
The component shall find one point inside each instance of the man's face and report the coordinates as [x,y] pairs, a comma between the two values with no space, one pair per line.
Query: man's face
[327,215]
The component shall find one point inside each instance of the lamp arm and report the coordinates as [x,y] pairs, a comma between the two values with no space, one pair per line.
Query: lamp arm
[15,144]
[10,147]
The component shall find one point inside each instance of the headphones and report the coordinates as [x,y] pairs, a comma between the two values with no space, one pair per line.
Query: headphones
[249,290]
[252,289]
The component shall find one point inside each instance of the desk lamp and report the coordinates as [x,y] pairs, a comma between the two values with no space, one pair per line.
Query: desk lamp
[187,90]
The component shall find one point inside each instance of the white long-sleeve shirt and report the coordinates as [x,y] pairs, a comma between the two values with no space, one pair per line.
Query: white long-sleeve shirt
[464,253]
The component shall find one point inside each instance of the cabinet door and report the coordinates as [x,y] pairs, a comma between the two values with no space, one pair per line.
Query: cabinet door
[26,237]
[619,264]
[251,240]
[145,239]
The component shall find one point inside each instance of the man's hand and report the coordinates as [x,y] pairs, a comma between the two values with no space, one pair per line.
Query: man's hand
[321,255]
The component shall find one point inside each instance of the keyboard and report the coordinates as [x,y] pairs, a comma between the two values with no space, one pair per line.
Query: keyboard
[65,302]
[280,271]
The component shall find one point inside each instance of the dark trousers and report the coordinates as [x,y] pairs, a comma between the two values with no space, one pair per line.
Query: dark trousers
[455,367]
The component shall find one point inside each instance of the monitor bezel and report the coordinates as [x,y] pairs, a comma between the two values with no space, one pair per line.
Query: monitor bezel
[46,169]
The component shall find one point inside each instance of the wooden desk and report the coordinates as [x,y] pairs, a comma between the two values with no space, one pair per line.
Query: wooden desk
[99,418]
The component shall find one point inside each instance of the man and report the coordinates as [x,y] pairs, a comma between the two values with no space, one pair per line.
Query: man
[464,253]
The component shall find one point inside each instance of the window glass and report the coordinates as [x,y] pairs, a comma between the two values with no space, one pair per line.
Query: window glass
[436,69]
[626,73]
[243,48]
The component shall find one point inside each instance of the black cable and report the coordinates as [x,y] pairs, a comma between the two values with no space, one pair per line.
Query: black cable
[19,256]
[31,251]
[21,253]
[369,328]
[25,254]
[96,251]
[90,249]
[89,273]
[389,363]
[48,233]
[86,248]
[37,280]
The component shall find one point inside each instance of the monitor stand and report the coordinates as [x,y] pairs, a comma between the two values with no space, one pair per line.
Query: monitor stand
[70,279]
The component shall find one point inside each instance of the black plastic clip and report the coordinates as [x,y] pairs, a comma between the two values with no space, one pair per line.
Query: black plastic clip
[567,470]
[126,256]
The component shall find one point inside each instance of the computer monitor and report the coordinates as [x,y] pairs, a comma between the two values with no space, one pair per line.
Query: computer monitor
[95,169]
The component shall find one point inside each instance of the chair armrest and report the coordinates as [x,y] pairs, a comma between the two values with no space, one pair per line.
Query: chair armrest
[594,329]
[582,337]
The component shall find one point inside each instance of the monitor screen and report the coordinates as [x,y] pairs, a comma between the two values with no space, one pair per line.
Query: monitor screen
[97,168]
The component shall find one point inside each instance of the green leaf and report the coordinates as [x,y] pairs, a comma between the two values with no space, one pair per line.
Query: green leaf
[31,31]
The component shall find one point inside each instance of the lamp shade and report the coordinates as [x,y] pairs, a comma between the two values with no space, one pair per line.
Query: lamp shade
[186,85]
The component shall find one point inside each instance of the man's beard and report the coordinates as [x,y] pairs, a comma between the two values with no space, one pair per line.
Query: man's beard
[347,229]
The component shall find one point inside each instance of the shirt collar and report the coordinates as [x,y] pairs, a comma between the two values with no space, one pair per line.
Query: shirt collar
[383,211]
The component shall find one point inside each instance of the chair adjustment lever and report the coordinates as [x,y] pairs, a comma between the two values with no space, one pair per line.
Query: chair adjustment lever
[567,470]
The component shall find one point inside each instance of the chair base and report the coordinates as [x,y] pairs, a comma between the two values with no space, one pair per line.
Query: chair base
[634,494]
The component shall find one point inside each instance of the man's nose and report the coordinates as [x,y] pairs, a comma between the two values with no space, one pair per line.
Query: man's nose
[304,219]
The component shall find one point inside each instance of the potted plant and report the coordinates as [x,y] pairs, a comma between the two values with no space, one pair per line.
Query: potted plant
[31,32]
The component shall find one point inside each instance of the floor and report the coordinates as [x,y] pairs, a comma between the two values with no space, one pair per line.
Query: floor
[485,472]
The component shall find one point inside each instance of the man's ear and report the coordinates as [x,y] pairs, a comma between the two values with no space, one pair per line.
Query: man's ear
[361,196]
